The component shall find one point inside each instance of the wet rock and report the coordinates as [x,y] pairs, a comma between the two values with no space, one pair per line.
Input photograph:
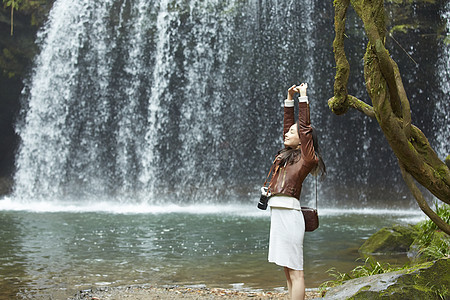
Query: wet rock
[6,185]
[426,281]
[389,240]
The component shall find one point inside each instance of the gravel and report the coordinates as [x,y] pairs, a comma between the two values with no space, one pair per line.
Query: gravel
[177,292]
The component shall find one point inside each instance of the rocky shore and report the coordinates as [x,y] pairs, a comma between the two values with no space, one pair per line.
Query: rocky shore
[177,292]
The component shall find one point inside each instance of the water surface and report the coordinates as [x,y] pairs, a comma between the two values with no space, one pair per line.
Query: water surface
[52,251]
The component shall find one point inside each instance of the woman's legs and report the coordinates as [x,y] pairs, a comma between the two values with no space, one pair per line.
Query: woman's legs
[296,283]
[288,280]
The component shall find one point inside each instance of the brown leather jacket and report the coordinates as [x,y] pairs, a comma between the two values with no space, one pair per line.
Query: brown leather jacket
[287,180]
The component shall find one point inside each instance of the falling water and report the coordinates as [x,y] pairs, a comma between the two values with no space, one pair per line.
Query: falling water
[443,107]
[156,101]
[134,98]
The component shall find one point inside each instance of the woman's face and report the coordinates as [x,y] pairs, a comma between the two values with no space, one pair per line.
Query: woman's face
[291,138]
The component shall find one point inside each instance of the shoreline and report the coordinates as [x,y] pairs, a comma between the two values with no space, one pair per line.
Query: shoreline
[144,292]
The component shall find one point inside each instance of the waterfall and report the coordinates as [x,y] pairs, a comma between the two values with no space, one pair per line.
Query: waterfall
[441,116]
[156,101]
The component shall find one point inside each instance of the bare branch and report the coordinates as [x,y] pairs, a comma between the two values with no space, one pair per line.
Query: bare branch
[361,106]
[356,104]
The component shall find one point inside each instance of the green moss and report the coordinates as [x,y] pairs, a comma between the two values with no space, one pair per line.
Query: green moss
[364,288]
[425,281]
[395,239]
[440,172]
[417,267]
[433,277]
[404,28]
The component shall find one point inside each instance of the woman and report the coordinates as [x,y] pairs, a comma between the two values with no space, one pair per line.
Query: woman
[300,157]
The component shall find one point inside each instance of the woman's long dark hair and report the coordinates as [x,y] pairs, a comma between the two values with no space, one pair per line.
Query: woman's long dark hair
[290,156]
[320,168]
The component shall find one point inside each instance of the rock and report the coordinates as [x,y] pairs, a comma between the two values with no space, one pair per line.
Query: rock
[6,185]
[426,281]
[388,240]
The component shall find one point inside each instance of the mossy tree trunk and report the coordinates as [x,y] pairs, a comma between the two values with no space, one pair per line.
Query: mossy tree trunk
[417,160]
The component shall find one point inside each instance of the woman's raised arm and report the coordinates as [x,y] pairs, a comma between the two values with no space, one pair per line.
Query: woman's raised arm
[305,129]
[289,117]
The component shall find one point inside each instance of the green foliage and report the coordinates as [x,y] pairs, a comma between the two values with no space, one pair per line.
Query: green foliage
[14,4]
[6,59]
[428,227]
[27,5]
[431,243]
[36,8]
[441,291]
[17,53]
[370,267]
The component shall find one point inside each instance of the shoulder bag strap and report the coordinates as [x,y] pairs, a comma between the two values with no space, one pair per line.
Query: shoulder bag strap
[316,191]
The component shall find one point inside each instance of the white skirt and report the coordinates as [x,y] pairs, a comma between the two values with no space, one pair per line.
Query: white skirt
[287,229]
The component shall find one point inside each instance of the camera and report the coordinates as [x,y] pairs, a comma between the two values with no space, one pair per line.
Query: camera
[265,195]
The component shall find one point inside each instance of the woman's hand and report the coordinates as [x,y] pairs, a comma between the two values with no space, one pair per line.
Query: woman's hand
[302,89]
[291,92]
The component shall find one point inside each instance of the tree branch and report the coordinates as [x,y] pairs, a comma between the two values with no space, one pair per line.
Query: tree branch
[340,104]
[422,146]
[387,65]
[422,203]
[390,105]
[355,103]
[409,145]
[418,158]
